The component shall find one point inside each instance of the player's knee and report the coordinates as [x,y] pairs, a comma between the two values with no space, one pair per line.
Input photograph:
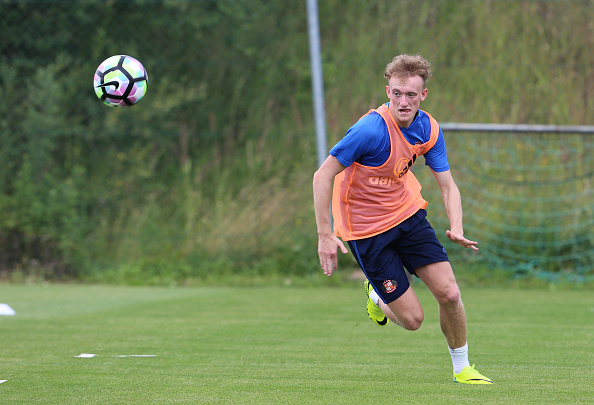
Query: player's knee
[449,295]
[413,322]
[453,296]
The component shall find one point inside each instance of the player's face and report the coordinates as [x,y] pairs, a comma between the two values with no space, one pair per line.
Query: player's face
[405,94]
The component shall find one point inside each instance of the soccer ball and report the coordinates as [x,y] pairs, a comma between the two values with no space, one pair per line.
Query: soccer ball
[120,81]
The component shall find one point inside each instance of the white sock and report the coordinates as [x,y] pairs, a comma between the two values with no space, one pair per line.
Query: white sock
[460,358]
[374,297]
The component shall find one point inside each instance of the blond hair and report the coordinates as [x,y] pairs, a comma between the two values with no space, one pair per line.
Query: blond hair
[408,65]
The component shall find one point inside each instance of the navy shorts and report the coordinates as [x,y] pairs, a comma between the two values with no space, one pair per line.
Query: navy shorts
[383,257]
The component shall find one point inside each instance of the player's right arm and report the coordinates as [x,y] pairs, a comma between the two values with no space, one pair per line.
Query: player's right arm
[328,244]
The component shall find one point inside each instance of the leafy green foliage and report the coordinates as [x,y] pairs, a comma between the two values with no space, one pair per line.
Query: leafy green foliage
[211,172]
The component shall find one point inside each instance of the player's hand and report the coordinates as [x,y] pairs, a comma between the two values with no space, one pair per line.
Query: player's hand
[462,241]
[328,246]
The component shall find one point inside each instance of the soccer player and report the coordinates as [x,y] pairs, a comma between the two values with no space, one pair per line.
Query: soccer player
[379,211]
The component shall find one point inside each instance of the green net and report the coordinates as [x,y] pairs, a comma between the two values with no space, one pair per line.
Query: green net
[527,198]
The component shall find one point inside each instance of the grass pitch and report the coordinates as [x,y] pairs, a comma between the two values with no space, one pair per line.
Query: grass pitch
[285,346]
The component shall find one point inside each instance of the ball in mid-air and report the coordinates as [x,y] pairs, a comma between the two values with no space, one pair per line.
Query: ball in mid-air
[120,81]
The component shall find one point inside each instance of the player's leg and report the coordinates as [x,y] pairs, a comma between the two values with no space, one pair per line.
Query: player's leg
[405,311]
[440,280]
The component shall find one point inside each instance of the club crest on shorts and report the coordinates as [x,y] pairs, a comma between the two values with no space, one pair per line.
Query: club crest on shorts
[390,286]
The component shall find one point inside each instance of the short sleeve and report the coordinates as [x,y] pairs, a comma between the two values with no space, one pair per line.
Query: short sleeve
[437,157]
[366,142]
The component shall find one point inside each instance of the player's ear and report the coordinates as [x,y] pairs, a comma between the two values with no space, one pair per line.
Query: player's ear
[388,91]
[424,94]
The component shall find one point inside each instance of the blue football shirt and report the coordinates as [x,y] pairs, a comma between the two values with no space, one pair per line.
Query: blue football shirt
[367,142]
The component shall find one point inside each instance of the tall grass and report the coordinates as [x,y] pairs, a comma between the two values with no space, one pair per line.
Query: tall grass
[235,214]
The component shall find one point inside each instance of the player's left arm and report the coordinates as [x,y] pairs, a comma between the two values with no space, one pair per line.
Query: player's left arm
[453,205]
